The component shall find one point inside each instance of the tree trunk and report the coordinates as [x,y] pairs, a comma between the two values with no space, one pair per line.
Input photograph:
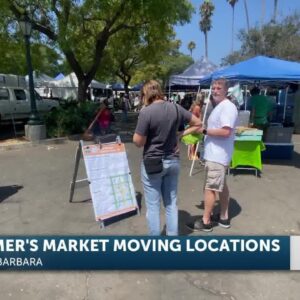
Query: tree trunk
[82,89]
[275,10]
[263,11]
[206,46]
[126,84]
[232,30]
[84,80]
[247,15]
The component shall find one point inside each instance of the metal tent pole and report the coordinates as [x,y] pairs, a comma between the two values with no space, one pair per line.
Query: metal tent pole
[203,119]
[285,101]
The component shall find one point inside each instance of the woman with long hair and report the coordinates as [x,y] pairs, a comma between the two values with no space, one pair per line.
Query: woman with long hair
[196,109]
[156,131]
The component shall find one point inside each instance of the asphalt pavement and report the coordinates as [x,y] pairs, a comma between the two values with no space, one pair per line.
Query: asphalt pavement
[34,193]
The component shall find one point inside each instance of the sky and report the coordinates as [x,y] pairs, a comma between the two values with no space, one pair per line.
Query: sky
[219,38]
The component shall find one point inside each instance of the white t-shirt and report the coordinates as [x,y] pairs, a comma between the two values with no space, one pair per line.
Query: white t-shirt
[219,149]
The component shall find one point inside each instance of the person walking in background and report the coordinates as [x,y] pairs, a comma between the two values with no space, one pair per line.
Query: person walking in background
[102,125]
[137,103]
[125,107]
[218,149]
[261,110]
[156,131]
[187,101]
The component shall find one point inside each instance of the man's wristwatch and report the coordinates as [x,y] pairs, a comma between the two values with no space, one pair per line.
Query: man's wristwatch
[204,131]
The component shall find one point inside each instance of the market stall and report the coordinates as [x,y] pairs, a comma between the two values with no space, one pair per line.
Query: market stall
[192,75]
[263,71]
[248,146]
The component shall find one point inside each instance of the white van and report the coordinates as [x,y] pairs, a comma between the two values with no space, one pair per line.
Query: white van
[15,104]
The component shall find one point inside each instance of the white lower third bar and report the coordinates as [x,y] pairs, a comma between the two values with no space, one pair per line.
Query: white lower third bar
[295,253]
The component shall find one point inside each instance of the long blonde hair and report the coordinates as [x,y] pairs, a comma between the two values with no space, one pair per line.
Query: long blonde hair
[151,91]
[198,102]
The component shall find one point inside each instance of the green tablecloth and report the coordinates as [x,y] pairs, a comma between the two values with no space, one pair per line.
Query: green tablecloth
[247,153]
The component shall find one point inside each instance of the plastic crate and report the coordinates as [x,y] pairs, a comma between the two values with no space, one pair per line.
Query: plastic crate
[243,118]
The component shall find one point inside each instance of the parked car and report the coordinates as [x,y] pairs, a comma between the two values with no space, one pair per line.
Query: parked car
[15,104]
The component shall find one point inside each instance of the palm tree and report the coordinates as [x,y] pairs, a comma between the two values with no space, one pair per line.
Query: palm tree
[191,46]
[247,15]
[206,11]
[232,3]
[275,11]
[263,12]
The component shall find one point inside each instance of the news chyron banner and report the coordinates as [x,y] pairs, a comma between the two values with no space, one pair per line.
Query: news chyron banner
[149,253]
[110,180]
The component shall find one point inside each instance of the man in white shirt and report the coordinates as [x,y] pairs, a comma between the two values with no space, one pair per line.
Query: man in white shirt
[218,149]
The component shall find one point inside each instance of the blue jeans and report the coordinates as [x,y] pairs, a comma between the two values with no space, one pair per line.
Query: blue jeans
[162,184]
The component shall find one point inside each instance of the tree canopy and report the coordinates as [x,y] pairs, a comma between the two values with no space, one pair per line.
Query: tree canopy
[13,61]
[191,46]
[124,60]
[280,40]
[12,51]
[232,4]
[171,63]
[206,11]
[82,30]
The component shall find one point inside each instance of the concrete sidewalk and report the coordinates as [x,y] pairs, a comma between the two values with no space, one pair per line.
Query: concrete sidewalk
[34,195]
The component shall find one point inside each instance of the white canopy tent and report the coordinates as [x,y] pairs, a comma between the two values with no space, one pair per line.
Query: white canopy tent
[39,78]
[194,73]
[66,88]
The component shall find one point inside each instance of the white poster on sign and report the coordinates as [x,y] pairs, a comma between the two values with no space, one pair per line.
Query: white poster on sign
[110,180]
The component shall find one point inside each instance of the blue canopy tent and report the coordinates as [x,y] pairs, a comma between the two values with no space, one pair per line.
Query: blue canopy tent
[260,69]
[137,87]
[119,87]
[59,76]
[192,75]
